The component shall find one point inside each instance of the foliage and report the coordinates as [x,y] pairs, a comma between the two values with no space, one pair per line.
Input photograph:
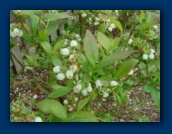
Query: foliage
[101,54]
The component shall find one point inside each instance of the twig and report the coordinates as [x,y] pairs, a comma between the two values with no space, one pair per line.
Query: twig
[131,30]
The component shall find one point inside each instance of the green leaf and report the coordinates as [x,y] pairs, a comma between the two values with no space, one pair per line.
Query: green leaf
[59,91]
[143,15]
[27,37]
[82,103]
[42,35]
[152,17]
[82,116]
[56,16]
[155,94]
[105,117]
[86,77]
[114,43]
[52,118]
[29,12]
[119,99]
[125,68]
[142,65]
[148,88]
[102,28]
[147,25]
[51,82]
[52,26]
[113,58]
[46,46]
[52,107]
[100,71]
[91,47]
[86,66]
[55,60]
[117,23]
[34,23]
[24,111]
[103,40]
[155,74]
[59,44]
[139,19]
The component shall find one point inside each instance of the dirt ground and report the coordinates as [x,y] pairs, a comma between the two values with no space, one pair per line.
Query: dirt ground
[138,108]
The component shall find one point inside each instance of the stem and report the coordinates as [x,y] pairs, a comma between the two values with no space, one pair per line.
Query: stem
[131,30]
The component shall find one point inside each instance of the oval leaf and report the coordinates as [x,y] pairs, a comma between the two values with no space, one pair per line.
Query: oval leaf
[29,12]
[91,47]
[59,91]
[103,40]
[82,103]
[34,23]
[55,60]
[155,94]
[82,116]
[59,44]
[125,68]
[114,43]
[52,26]
[102,28]
[46,46]
[52,107]
[42,35]
[56,16]
[113,58]
[86,77]
[117,23]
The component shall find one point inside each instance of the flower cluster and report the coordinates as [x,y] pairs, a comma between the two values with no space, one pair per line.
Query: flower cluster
[69,73]
[150,55]
[84,15]
[111,27]
[16,32]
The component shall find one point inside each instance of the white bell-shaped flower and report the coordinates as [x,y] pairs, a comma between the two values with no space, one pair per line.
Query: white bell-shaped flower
[110,29]
[151,56]
[89,89]
[112,26]
[155,27]
[73,68]
[72,58]
[77,35]
[99,83]
[145,56]
[16,31]
[56,69]
[60,76]
[35,96]
[79,86]
[64,51]
[152,51]
[69,74]
[105,95]
[38,119]
[130,41]
[73,43]
[113,83]
[65,102]
[76,99]
[84,92]
[131,72]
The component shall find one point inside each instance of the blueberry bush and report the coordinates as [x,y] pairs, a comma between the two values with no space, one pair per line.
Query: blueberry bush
[103,67]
